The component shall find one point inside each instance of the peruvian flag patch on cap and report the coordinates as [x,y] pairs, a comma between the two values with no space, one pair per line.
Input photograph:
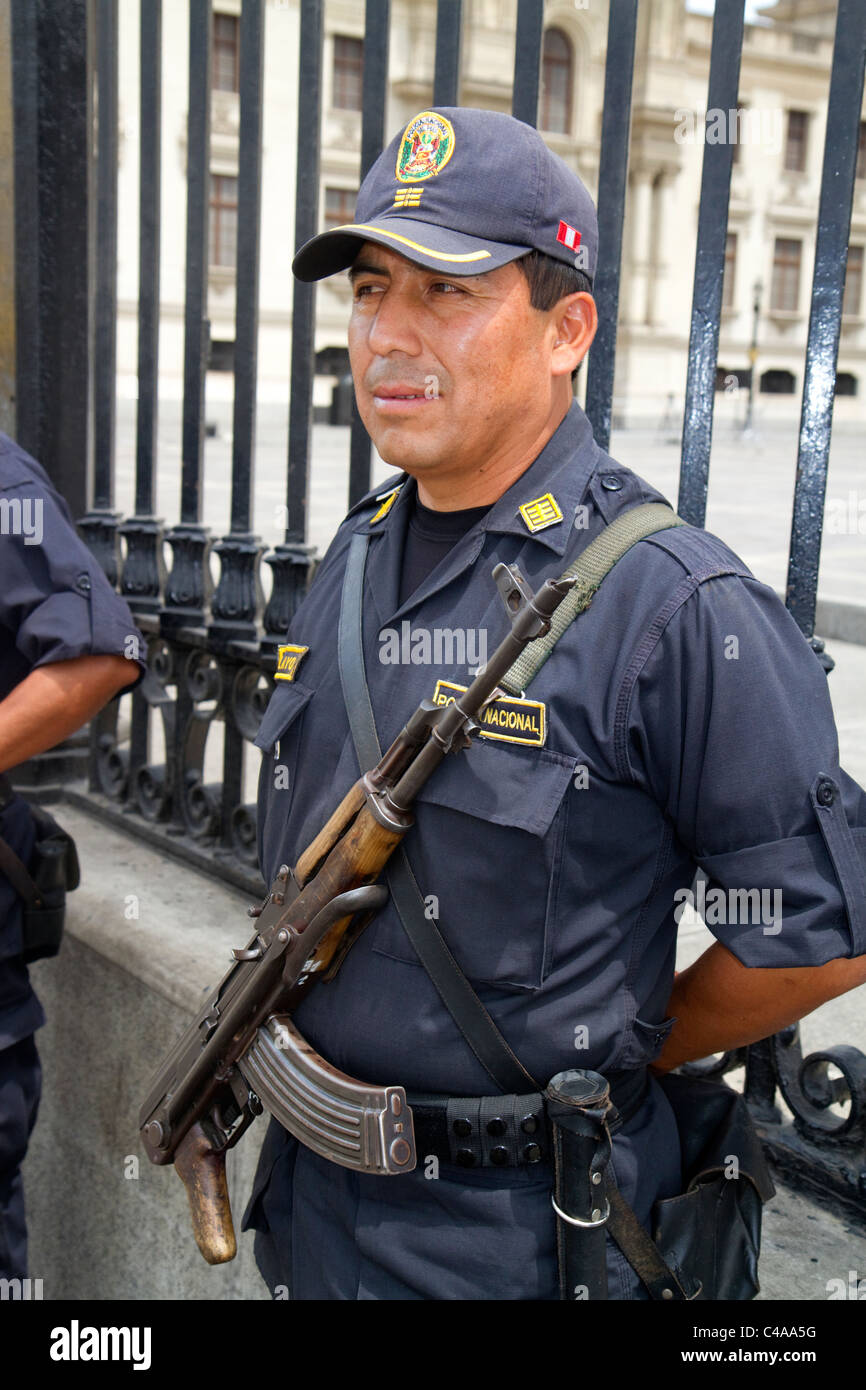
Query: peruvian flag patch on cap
[569,236]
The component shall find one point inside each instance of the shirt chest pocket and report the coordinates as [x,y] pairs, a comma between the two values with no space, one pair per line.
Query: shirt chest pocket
[279,739]
[486,852]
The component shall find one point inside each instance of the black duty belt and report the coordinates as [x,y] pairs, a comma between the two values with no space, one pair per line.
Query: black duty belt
[503,1131]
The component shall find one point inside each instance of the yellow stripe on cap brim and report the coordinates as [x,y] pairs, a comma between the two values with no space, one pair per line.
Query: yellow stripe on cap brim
[455,259]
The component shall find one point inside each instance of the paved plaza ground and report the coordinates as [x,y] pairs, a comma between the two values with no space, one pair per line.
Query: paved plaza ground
[749,506]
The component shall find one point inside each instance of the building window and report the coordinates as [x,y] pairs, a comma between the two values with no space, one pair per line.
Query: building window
[861,152]
[226,53]
[853,296]
[348,72]
[333,361]
[223,220]
[556,80]
[785,293]
[339,206]
[730,271]
[778,383]
[846,384]
[795,145]
[222,355]
[729,381]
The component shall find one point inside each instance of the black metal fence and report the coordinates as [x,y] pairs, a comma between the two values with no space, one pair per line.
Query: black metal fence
[212,650]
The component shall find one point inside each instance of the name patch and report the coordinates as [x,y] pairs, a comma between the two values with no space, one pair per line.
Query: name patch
[509,719]
[288,660]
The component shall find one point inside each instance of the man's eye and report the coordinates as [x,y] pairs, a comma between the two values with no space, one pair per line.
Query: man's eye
[362,291]
[446,286]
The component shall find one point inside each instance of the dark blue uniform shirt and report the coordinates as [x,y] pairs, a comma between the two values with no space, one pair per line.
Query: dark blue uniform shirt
[55,604]
[688,723]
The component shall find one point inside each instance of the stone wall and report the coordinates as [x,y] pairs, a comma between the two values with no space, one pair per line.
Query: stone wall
[105,1223]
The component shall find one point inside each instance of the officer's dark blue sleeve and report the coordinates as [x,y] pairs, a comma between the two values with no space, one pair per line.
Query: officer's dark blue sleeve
[57,602]
[731,728]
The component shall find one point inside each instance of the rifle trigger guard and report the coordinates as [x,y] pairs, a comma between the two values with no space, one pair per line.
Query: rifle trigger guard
[369,898]
[248,952]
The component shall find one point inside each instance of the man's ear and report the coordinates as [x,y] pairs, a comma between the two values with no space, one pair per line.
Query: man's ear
[576,324]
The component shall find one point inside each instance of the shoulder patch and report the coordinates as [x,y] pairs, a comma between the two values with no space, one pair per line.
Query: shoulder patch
[289,659]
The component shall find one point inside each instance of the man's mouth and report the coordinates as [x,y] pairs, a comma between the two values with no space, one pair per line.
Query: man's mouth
[400,396]
[399,392]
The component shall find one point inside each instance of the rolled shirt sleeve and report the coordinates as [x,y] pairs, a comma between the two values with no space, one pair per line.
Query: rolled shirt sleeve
[57,603]
[731,729]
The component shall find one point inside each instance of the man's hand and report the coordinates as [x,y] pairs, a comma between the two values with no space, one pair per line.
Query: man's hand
[55,700]
[721,1004]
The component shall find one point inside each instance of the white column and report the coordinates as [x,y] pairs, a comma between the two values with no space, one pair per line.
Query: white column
[660,252]
[640,211]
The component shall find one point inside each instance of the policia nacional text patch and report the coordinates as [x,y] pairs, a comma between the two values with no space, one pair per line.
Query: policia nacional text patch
[508,719]
[288,660]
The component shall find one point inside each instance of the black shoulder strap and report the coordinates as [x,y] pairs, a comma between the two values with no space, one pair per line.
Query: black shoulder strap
[454,989]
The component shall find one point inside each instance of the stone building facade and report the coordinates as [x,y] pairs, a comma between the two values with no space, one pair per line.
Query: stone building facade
[778,130]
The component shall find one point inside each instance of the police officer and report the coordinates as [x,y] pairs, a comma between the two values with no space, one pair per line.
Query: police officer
[68,644]
[681,721]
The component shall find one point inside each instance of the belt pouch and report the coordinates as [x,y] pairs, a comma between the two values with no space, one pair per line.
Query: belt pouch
[712,1229]
[43,883]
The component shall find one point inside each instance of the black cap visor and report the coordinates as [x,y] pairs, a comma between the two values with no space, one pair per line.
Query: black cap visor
[424,243]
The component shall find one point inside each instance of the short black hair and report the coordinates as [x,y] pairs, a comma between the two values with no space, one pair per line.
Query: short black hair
[551,280]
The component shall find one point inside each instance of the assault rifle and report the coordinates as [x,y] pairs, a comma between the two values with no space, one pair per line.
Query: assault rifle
[242,1053]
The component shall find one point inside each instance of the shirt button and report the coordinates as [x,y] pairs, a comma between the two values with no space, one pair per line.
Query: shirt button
[499,1155]
[496,1127]
[826,794]
[83,583]
[465,1158]
[462,1128]
[529,1124]
[611,482]
[532,1153]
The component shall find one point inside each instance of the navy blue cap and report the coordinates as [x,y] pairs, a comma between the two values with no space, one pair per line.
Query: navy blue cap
[464,191]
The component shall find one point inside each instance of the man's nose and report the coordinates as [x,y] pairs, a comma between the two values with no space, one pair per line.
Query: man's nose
[393,327]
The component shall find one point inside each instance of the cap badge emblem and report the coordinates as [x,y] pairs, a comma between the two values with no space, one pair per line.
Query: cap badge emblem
[541,512]
[426,147]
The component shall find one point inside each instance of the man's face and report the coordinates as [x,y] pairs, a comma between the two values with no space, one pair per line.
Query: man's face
[451,372]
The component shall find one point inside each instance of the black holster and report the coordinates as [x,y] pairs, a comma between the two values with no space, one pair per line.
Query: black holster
[579,1109]
[43,883]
